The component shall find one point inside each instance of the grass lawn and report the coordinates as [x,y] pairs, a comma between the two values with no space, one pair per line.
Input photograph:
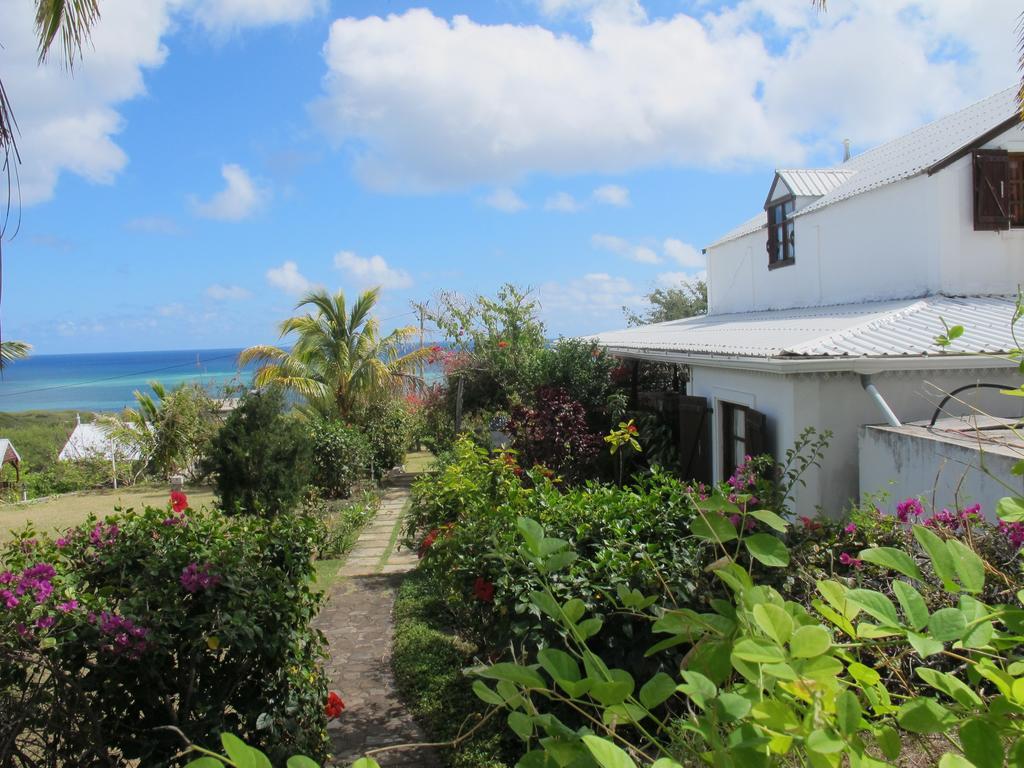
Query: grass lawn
[70,509]
[419,461]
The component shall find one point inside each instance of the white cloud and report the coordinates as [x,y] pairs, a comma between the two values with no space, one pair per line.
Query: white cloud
[222,16]
[612,194]
[240,198]
[562,202]
[157,225]
[69,123]
[219,292]
[505,200]
[373,270]
[673,279]
[593,296]
[684,254]
[639,253]
[430,103]
[171,310]
[288,278]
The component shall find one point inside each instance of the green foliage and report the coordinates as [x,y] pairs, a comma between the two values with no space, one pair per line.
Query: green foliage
[71,476]
[428,662]
[340,522]
[581,368]
[195,620]
[261,457]
[387,427]
[38,436]
[689,299]
[172,432]
[341,455]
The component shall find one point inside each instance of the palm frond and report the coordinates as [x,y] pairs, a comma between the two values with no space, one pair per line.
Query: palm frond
[72,20]
[259,353]
[13,350]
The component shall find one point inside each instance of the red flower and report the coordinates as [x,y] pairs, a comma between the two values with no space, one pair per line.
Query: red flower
[631,428]
[483,590]
[502,344]
[810,525]
[179,501]
[335,706]
[847,559]
[428,542]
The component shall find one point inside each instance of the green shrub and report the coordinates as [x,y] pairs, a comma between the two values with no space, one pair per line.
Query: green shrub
[341,455]
[581,368]
[261,457]
[428,663]
[145,620]
[340,522]
[71,476]
[387,427]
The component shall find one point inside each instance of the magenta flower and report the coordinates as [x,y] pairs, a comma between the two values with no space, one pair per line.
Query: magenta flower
[68,606]
[909,508]
[62,542]
[8,599]
[851,528]
[195,578]
[45,622]
[847,559]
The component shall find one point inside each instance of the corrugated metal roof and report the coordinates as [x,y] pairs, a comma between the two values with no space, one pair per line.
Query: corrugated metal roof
[903,327]
[900,158]
[7,452]
[89,441]
[813,182]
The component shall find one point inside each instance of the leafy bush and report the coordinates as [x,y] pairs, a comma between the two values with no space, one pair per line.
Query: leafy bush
[340,522]
[581,368]
[386,425]
[125,626]
[71,476]
[555,434]
[341,455]
[428,661]
[261,457]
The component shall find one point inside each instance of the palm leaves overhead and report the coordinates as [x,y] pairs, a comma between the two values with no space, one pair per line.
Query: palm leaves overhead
[339,358]
[13,350]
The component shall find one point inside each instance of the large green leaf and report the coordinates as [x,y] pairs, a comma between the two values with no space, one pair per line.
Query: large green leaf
[810,641]
[559,664]
[953,760]
[894,559]
[925,715]
[767,549]
[1010,509]
[614,691]
[657,690]
[848,712]
[942,559]
[606,754]
[970,568]
[241,754]
[758,651]
[532,533]
[982,744]
[947,624]
[924,645]
[914,607]
[774,622]
[514,673]
[521,724]
[949,685]
[875,604]
[365,762]
[301,761]
[713,527]
[770,519]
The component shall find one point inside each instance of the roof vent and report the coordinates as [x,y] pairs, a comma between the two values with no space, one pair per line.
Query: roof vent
[846,150]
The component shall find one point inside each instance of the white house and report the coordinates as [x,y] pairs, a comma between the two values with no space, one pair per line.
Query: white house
[824,308]
[94,441]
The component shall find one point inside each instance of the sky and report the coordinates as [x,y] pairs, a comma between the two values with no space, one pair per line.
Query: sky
[209,161]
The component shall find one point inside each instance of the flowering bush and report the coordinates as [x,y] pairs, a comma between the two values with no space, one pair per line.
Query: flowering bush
[555,433]
[124,626]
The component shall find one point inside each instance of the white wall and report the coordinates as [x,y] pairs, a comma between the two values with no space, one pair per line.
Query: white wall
[836,402]
[910,238]
[943,474]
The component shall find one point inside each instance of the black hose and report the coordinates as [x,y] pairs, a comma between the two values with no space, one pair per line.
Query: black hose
[958,390]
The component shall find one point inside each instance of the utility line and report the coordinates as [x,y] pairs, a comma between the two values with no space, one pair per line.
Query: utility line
[20,392]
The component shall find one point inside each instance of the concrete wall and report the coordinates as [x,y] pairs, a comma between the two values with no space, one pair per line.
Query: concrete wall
[945,475]
[835,402]
[910,238]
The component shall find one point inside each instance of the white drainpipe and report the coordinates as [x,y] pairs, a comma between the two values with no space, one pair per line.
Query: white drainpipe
[872,390]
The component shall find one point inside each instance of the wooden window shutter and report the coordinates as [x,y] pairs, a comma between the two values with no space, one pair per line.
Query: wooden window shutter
[991,189]
[756,432]
[694,438]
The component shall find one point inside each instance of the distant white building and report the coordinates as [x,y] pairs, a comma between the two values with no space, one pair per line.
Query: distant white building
[824,308]
[94,441]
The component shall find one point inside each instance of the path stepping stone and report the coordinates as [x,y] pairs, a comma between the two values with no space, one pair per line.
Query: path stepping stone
[358,625]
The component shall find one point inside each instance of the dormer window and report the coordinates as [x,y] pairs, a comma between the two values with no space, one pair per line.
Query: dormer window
[781,235]
[998,189]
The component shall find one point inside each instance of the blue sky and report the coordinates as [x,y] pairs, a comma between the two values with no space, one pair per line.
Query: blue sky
[210,159]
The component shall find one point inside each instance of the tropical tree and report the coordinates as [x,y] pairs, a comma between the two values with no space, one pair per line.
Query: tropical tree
[686,300]
[339,361]
[13,350]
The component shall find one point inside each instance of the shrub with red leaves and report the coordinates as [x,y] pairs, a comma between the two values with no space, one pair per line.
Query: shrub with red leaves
[555,434]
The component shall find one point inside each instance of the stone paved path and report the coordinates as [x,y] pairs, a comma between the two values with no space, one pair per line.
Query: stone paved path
[358,625]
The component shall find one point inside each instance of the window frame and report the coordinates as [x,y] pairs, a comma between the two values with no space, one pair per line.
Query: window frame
[730,439]
[1015,161]
[788,233]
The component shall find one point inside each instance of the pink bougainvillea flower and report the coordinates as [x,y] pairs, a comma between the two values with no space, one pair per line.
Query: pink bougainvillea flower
[851,528]
[848,560]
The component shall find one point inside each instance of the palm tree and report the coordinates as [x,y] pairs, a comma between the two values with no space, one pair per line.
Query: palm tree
[13,350]
[339,360]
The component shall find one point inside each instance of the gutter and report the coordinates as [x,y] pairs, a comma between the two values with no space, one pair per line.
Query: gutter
[874,394]
[792,365]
